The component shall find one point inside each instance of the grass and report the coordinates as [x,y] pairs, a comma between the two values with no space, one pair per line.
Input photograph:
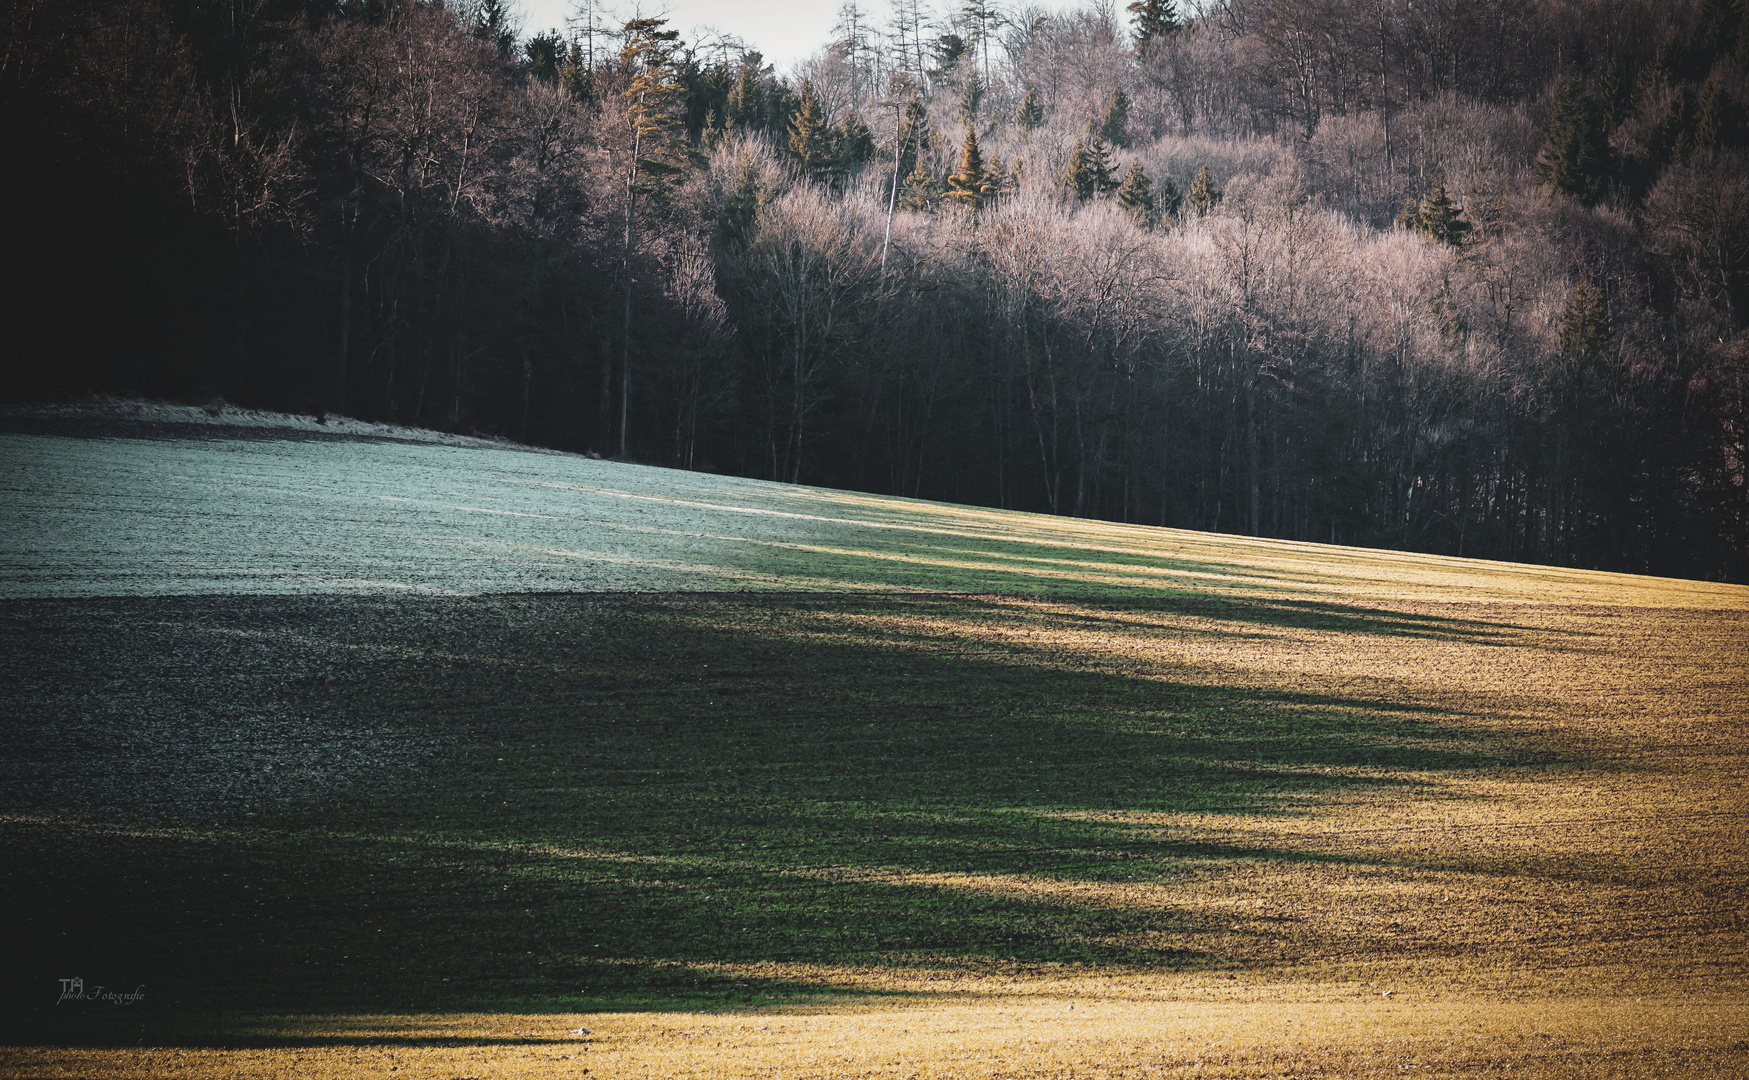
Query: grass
[1315,812]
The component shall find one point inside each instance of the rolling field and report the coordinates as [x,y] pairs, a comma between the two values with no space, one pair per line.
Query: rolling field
[360,755]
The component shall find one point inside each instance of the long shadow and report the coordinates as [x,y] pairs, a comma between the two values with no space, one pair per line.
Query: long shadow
[575,803]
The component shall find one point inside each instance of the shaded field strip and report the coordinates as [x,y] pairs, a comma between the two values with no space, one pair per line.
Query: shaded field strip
[899,802]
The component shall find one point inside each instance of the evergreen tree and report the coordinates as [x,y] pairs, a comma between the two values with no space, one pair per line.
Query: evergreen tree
[810,138]
[1078,177]
[997,178]
[1168,199]
[1099,166]
[1204,196]
[971,98]
[855,143]
[919,192]
[1616,96]
[1714,34]
[967,185]
[1153,20]
[1575,159]
[744,109]
[575,78]
[1585,330]
[1136,195]
[541,55]
[913,135]
[1715,117]
[1030,114]
[1113,126]
[1440,218]
[492,24]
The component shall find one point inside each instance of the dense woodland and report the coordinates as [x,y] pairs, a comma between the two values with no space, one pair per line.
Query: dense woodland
[1459,276]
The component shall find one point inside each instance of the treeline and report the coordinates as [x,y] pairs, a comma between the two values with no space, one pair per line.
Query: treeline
[1455,277]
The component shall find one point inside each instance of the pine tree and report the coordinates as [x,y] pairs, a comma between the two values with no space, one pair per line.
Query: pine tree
[575,78]
[1030,114]
[1113,125]
[913,135]
[1204,196]
[809,137]
[1440,218]
[744,110]
[1713,117]
[1616,96]
[855,143]
[1714,34]
[1136,195]
[1099,166]
[1575,159]
[541,55]
[1168,199]
[919,192]
[996,176]
[1153,20]
[967,185]
[1078,177]
[1585,329]
[971,98]
[493,25]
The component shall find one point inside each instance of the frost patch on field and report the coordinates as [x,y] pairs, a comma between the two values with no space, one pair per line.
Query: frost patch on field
[98,501]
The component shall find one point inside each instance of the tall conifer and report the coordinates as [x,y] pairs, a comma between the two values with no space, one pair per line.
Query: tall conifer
[1113,125]
[810,138]
[1575,159]
[1153,20]
[967,185]
[1136,195]
[1030,114]
[1204,196]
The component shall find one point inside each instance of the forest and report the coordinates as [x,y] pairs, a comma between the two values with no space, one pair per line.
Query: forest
[1453,276]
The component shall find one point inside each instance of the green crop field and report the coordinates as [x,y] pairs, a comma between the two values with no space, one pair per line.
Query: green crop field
[840,786]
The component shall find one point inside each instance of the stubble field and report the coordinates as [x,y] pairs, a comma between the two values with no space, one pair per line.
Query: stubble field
[368,757]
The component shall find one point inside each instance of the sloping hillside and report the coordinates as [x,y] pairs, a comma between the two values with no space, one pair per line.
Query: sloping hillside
[371,750]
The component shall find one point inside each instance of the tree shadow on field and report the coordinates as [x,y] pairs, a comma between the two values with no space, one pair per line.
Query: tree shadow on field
[579,803]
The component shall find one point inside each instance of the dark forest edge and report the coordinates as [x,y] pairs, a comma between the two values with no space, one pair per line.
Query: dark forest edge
[1463,279]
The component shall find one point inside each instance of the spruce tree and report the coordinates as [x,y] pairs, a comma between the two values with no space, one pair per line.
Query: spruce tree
[1204,196]
[1078,177]
[1136,195]
[809,137]
[913,135]
[493,24]
[541,56]
[919,192]
[1030,114]
[1168,199]
[1575,159]
[1099,166]
[967,186]
[744,109]
[996,177]
[855,143]
[1113,124]
[971,98]
[1153,20]
[1585,329]
[1442,219]
[1713,117]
